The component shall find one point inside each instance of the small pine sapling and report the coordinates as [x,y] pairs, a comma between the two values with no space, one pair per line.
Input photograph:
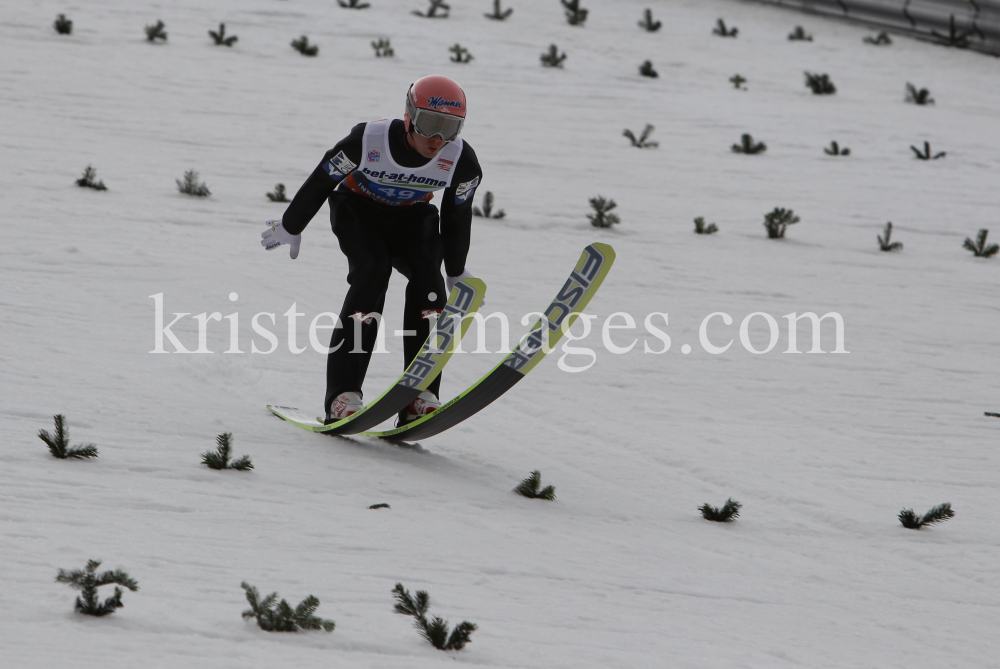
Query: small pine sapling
[990,413]
[487,210]
[643,141]
[882,39]
[383,49]
[88,180]
[220,36]
[721,30]
[648,24]
[820,84]
[89,581]
[435,630]
[460,54]
[601,218]
[432,11]
[835,150]
[777,220]
[353,4]
[955,37]
[219,458]
[938,514]
[302,46]
[748,146]
[498,14]
[190,185]
[529,488]
[979,247]
[279,194]
[884,244]
[926,153]
[646,70]
[799,35]
[702,229]
[156,32]
[381,505]
[729,512]
[918,97]
[552,58]
[575,15]
[63,25]
[737,81]
[281,617]
[58,443]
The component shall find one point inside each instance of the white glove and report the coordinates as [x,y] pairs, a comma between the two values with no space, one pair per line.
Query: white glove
[450,281]
[276,235]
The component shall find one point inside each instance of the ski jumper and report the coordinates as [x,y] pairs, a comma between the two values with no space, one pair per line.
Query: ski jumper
[379,191]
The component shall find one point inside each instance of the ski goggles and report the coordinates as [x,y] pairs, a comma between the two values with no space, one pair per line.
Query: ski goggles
[429,123]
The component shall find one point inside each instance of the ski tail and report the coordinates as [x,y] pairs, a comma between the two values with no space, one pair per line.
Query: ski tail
[583,283]
[464,300]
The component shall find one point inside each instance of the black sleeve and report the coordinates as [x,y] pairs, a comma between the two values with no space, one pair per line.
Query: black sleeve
[456,211]
[336,164]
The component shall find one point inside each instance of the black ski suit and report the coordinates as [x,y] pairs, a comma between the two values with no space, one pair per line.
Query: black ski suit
[377,236]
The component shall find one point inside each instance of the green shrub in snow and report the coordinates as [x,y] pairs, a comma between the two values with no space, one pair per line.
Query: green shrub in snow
[58,442]
[552,58]
[89,581]
[63,25]
[702,229]
[89,180]
[281,617]
[353,4]
[302,46]
[836,150]
[918,97]
[955,37]
[531,488]
[777,220]
[737,81]
[498,14]
[882,39]
[432,11]
[156,32]
[190,185]
[219,458]
[721,30]
[926,153]
[648,24]
[434,630]
[643,140]
[601,218]
[487,210]
[979,247]
[383,49]
[748,146]
[279,194]
[460,54]
[575,15]
[938,514]
[820,84]
[885,244]
[729,512]
[646,70]
[799,35]
[220,36]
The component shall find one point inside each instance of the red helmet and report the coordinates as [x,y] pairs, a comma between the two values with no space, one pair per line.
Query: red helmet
[435,105]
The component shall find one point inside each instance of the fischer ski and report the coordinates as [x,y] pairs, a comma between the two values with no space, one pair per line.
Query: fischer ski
[444,337]
[573,297]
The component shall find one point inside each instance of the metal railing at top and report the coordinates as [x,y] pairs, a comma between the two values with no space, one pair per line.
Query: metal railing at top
[970,24]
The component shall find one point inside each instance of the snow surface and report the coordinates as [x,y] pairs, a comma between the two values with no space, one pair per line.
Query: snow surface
[823,450]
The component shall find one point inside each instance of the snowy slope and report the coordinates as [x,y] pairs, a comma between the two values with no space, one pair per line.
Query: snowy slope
[823,450]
